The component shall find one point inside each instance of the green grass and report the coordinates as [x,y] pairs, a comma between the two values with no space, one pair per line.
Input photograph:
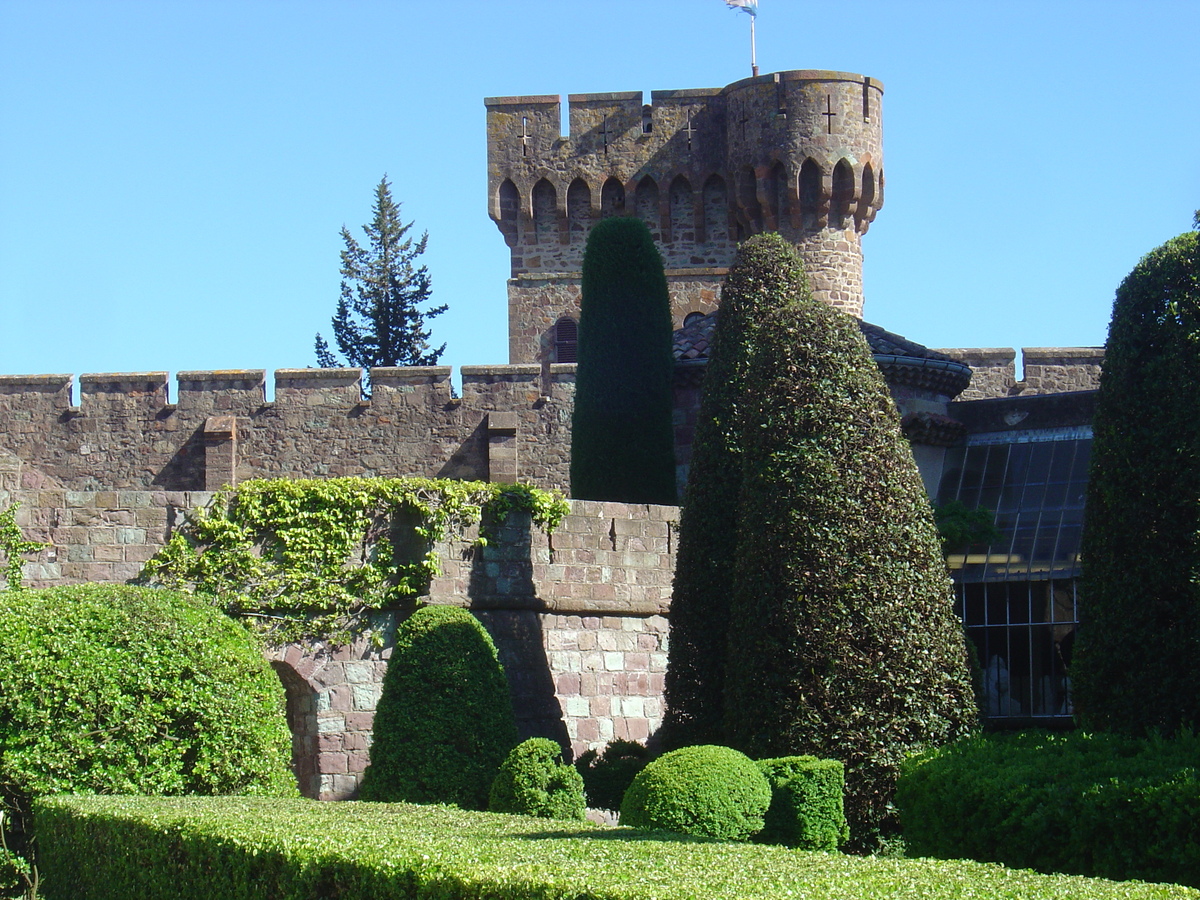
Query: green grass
[245,847]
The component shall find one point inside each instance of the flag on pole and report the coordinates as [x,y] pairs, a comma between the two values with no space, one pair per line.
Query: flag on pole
[746,6]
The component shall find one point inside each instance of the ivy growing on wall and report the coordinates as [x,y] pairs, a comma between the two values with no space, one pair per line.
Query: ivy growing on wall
[314,558]
[13,546]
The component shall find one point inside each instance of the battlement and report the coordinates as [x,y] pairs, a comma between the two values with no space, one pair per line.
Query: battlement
[130,431]
[799,153]
[1045,370]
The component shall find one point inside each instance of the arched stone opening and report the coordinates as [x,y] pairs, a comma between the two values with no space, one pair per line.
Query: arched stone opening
[747,195]
[612,199]
[843,195]
[647,205]
[301,708]
[811,177]
[566,340]
[510,209]
[545,211]
[866,199]
[579,207]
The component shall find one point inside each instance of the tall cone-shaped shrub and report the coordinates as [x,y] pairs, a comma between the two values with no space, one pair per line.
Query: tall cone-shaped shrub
[842,626]
[766,275]
[1137,661]
[444,722]
[622,439]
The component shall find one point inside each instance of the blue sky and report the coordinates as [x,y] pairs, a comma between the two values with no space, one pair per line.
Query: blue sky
[174,174]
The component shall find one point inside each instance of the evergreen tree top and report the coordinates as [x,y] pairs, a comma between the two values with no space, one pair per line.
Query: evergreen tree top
[379,319]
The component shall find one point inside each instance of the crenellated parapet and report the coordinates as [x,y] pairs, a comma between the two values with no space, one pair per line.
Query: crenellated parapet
[130,431]
[795,152]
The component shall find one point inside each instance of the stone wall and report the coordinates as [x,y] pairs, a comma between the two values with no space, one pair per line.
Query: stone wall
[537,302]
[128,434]
[578,617]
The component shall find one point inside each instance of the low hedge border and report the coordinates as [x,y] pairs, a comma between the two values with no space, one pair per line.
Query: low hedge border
[246,848]
[1100,805]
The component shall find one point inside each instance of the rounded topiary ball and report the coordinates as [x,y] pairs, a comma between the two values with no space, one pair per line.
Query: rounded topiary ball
[534,781]
[444,722]
[705,790]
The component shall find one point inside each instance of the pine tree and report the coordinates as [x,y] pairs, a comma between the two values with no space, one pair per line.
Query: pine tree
[1137,661]
[622,438]
[379,320]
[842,639]
[765,275]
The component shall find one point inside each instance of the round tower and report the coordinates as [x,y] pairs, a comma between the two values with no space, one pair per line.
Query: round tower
[804,151]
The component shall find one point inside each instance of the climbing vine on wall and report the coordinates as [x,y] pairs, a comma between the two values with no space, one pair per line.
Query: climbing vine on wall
[314,558]
[13,546]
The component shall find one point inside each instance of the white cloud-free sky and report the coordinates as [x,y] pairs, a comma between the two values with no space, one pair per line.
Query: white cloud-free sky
[174,173]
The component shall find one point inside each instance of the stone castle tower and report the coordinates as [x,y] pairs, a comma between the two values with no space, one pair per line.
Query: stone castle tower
[795,152]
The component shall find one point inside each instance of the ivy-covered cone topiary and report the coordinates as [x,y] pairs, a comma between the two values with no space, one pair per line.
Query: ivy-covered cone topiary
[845,637]
[1137,662]
[622,437]
[113,689]
[706,790]
[444,722]
[764,276]
[534,781]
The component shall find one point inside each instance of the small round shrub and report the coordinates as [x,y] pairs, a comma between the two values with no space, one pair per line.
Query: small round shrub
[706,790]
[534,781]
[444,722]
[608,774]
[113,689]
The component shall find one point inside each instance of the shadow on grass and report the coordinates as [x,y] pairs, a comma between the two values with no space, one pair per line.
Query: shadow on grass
[631,835]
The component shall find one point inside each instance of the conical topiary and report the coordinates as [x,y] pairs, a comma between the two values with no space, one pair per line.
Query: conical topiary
[764,276]
[444,722]
[842,624]
[622,438]
[1137,662]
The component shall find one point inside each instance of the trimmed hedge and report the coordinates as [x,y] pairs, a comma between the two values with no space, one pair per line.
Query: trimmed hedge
[608,774]
[193,848]
[845,636]
[117,689]
[444,722]
[1137,661]
[807,807]
[622,437]
[534,781]
[707,791]
[1085,804]
[765,275]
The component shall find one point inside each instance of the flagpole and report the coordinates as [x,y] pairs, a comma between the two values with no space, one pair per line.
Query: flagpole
[753,59]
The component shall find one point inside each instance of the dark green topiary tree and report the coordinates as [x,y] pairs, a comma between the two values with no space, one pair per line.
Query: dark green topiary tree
[113,689]
[534,781]
[622,439]
[1137,662]
[705,790]
[444,721]
[765,276]
[846,642]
